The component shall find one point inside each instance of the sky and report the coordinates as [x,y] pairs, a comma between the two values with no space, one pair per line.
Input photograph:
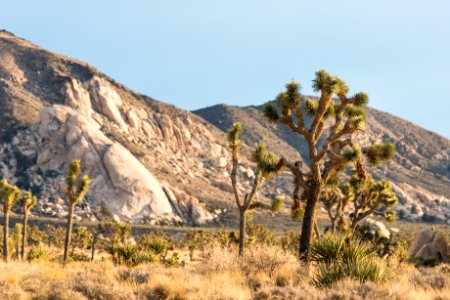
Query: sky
[195,54]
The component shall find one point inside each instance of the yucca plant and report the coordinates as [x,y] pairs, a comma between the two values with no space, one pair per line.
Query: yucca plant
[267,165]
[10,195]
[76,190]
[27,202]
[338,256]
[37,253]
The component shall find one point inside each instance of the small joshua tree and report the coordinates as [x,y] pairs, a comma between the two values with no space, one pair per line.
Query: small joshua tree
[27,202]
[267,164]
[367,197]
[328,125]
[10,194]
[75,194]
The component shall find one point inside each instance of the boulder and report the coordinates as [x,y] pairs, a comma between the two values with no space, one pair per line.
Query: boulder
[220,162]
[136,190]
[107,101]
[429,244]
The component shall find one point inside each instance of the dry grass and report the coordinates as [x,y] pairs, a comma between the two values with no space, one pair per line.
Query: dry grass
[262,274]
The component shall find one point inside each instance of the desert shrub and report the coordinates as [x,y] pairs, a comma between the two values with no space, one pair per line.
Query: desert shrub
[134,276]
[130,255]
[35,235]
[430,279]
[164,292]
[281,281]
[98,281]
[400,253]
[80,257]
[339,257]
[289,241]
[217,259]
[158,242]
[170,261]
[269,260]
[54,236]
[258,234]
[37,253]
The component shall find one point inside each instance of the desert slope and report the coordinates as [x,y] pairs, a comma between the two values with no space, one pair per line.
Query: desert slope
[420,169]
[146,158]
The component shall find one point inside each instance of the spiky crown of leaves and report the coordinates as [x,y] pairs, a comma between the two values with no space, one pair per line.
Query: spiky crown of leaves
[327,84]
[71,180]
[9,193]
[267,161]
[28,200]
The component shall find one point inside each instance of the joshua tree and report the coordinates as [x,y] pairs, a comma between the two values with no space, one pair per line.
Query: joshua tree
[267,164]
[27,202]
[75,194]
[10,194]
[326,148]
[368,197]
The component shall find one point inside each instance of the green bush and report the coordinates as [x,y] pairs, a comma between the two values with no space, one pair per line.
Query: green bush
[130,255]
[37,253]
[158,243]
[339,257]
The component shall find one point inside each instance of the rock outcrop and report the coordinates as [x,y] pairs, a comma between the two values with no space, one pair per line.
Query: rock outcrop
[55,109]
[429,245]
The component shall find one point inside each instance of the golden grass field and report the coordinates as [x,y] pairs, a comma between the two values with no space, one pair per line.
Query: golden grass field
[216,273]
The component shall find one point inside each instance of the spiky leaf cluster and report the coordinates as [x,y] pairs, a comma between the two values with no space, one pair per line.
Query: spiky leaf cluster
[83,188]
[27,201]
[326,83]
[76,193]
[233,132]
[378,153]
[10,194]
[72,174]
[277,204]
[267,161]
[352,155]
[271,113]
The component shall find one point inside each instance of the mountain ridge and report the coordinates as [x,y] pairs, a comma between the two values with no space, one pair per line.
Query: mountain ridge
[55,108]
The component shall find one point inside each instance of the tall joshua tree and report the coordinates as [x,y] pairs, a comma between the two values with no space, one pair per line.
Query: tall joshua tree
[267,164]
[10,194]
[27,202]
[76,190]
[326,148]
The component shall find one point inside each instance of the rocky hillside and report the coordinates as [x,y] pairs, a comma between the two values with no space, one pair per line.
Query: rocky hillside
[149,161]
[420,168]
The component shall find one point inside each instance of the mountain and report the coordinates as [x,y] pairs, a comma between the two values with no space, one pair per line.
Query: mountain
[149,161]
[420,170]
[154,163]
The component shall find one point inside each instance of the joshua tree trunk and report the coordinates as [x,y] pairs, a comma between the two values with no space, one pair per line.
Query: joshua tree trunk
[69,231]
[5,235]
[24,233]
[241,231]
[94,241]
[333,226]
[309,220]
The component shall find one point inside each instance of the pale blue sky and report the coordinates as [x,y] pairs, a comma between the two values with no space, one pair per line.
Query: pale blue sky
[199,53]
